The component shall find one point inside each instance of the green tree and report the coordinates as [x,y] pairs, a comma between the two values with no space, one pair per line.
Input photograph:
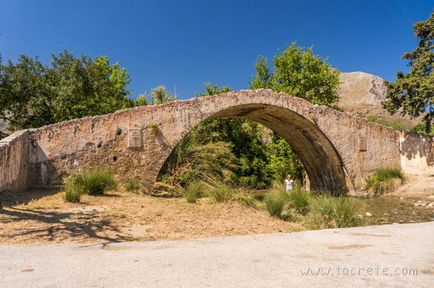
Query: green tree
[298,72]
[262,78]
[282,160]
[33,94]
[413,93]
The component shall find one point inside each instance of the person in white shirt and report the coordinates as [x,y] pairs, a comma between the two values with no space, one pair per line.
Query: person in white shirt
[289,183]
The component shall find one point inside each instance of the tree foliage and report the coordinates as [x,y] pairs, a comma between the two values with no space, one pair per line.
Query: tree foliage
[298,72]
[33,94]
[413,93]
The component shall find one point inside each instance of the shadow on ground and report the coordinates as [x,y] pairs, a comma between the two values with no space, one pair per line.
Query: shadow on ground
[69,225]
[8,198]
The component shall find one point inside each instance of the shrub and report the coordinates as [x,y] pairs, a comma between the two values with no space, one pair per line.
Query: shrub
[421,128]
[220,192]
[193,192]
[334,212]
[97,181]
[383,180]
[275,201]
[72,196]
[300,200]
[191,162]
[73,191]
[92,182]
[132,185]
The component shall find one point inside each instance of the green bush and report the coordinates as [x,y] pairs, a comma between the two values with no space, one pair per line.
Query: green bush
[334,212]
[220,192]
[382,180]
[97,181]
[193,192]
[132,185]
[92,182]
[421,128]
[275,202]
[72,190]
[300,200]
[72,196]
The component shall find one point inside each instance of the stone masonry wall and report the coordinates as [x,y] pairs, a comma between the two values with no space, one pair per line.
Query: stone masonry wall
[136,142]
[417,153]
[14,162]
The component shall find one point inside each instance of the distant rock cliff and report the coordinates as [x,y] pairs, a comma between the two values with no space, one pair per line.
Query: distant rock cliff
[362,93]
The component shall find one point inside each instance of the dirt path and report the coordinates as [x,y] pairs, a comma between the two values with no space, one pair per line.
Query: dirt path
[398,255]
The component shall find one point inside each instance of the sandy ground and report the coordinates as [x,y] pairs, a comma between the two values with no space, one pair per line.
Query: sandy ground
[400,255]
[123,216]
[417,186]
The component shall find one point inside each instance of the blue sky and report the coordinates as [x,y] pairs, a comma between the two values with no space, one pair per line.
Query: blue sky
[184,44]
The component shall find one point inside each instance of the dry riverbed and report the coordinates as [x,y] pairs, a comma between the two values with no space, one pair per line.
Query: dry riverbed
[124,216]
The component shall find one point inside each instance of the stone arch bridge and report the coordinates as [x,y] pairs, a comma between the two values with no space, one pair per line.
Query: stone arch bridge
[337,149]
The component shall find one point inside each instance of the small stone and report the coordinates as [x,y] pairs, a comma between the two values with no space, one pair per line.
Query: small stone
[368,214]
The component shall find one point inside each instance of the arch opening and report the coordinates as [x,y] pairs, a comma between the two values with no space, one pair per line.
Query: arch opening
[323,165]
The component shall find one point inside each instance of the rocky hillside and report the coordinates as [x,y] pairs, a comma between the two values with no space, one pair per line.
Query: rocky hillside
[362,93]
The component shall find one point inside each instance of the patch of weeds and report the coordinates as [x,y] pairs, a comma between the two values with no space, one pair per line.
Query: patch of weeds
[154,129]
[93,182]
[300,200]
[132,185]
[193,192]
[275,202]
[383,180]
[334,212]
[220,192]
[246,198]
[72,190]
